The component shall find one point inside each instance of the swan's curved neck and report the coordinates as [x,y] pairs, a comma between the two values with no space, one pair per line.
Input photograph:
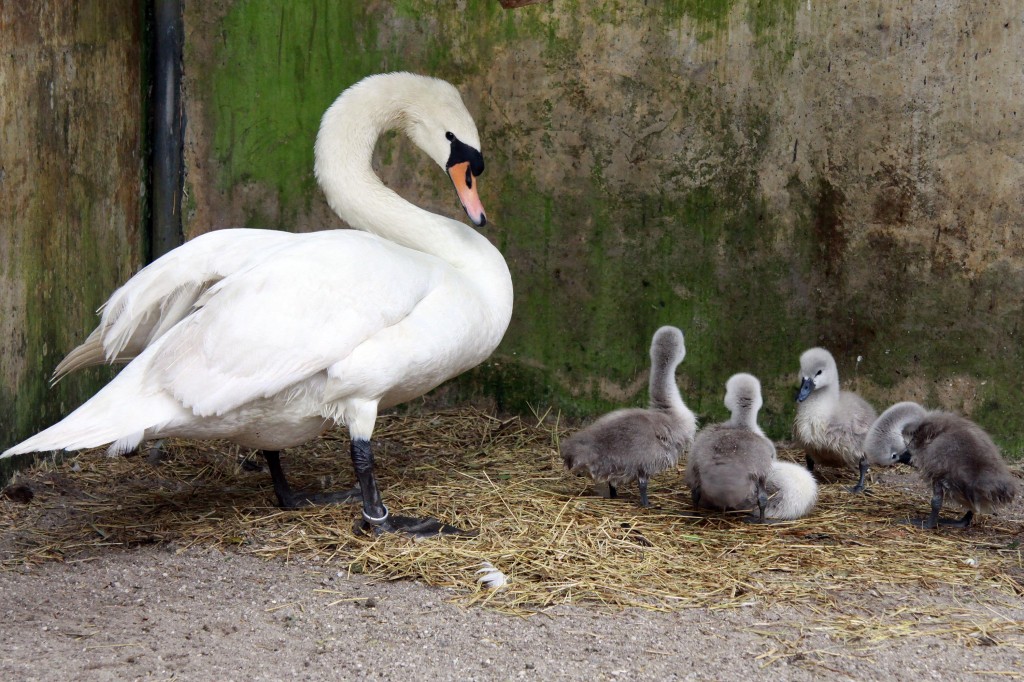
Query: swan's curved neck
[344,152]
[664,390]
[746,417]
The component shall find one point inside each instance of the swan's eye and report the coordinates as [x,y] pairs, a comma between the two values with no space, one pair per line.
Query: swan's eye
[449,136]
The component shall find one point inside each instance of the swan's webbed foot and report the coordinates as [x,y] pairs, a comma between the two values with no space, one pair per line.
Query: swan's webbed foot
[408,525]
[292,499]
[376,518]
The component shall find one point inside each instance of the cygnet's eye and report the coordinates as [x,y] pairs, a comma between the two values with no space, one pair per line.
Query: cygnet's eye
[818,373]
[895,455]
[449,136]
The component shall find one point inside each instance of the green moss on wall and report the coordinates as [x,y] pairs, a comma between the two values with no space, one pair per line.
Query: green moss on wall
[598,261]
[72,212]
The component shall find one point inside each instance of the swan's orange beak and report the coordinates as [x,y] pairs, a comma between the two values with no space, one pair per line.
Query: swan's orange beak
[465,185]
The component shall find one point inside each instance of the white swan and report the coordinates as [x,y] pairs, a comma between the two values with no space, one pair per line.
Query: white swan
[266,338]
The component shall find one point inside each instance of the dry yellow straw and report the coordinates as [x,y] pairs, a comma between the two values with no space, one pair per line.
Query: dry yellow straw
[554,540]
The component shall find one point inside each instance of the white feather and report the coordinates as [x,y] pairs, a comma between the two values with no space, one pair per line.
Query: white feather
[491,577]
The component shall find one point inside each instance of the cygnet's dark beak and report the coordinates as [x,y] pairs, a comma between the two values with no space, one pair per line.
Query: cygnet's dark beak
[806,386]
[904,457]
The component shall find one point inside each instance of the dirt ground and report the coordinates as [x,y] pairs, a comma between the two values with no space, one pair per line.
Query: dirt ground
[171,608]
[154,613]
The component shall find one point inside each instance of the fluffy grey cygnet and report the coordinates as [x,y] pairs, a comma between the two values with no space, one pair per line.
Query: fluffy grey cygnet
[634,444]
[729,465]
[952,453]
[830,424]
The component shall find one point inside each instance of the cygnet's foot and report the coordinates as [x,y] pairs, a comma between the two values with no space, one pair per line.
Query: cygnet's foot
[298,499]
[919,523]
[958,523]
[754,518]
[408,525]
[930,523]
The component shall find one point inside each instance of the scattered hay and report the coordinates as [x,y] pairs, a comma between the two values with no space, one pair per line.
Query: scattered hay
[541,527]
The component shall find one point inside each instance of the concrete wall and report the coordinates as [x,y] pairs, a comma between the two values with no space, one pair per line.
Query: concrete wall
[766,175]
[71,125]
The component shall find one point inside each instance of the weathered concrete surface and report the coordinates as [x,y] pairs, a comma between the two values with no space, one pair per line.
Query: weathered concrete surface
[70,202]
[766,175]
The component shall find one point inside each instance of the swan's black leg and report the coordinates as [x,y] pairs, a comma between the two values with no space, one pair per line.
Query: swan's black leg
[641,483]
[289,499]
[374,510]
[809,462]
[863,466]
[933,519]
[376,518]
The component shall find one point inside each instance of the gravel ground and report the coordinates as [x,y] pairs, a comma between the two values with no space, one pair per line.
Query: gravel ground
[156,613]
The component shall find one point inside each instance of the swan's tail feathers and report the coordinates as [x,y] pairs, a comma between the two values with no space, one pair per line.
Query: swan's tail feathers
[88,354]
[793,490]
[122,413]
[123,446]
[76,432]
[128,327]
[140,316]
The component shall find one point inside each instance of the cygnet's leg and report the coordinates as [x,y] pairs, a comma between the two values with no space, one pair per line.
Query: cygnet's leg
[762,502]
[376,519]
[641,482]
[863,466]
[809,461]
[289,499]
[613,493]
[695,498]
[933,519]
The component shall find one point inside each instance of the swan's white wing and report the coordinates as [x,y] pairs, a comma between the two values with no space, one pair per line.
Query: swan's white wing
[283,320]
[163,293]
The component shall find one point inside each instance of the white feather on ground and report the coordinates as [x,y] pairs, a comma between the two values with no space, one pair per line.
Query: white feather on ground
[491,577]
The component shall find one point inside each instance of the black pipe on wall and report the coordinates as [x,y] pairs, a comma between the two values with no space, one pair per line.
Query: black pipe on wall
[168,134]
